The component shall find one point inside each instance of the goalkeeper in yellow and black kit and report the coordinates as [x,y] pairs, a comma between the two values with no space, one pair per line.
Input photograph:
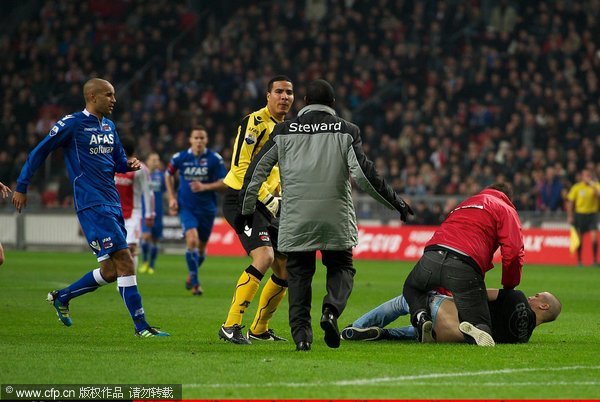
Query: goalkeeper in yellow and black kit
[260,241]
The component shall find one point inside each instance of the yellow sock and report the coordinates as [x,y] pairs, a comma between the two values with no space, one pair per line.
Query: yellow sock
[272,294]
[246,288]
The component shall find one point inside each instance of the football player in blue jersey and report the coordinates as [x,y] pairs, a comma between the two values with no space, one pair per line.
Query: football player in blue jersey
[201,173]
[4,190]
[151,236]
[93,153]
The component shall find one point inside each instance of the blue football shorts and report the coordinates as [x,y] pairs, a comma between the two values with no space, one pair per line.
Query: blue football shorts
[157,230]
[199,220]
[104,229]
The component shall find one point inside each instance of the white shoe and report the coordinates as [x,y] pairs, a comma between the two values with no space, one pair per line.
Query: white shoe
[480,337]
[427,332]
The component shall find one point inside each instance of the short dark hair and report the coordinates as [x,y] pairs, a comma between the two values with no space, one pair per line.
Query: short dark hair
[276,79]
[128,145]
[503,188]
[320,91]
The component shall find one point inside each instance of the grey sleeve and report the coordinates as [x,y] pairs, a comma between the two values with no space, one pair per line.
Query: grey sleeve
[366,176]
[257,173]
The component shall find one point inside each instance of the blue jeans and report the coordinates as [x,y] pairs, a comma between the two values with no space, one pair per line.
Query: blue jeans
[386,313]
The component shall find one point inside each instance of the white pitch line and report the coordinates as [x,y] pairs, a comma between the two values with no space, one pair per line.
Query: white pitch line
[509,384]
[411,378]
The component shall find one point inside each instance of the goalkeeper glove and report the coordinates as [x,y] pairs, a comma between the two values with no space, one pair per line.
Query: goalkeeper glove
[273,204]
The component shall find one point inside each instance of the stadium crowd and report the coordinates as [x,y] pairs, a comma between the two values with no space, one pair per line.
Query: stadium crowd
[450,96]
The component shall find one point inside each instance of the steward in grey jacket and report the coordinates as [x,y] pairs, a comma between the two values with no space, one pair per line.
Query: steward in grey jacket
[317,153]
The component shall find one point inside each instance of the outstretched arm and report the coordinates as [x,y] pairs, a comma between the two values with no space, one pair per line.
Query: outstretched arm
[197,186]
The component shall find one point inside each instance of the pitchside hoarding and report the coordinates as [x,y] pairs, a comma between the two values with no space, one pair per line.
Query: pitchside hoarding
[406,243]
[401,243]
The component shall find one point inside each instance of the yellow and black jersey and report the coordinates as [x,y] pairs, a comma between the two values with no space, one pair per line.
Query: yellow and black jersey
[584,197]
[253,133]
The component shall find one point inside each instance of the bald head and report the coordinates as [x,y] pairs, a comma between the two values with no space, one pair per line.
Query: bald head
[99,97]
[554,306]
[93,86]
[546,307]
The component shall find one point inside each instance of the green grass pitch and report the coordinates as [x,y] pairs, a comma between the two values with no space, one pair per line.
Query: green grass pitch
[560,362]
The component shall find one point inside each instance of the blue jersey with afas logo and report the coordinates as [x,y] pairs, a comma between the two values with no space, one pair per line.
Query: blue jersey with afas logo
[93,153]
[206,168]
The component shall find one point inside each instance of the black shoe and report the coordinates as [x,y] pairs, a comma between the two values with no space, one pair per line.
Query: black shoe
[329,325]
[268,335]
[425,328]
[361,334]
[151,332]
[303,346]
[233,334]
[197,290]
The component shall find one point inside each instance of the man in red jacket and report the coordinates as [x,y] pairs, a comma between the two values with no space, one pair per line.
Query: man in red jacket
[458,256]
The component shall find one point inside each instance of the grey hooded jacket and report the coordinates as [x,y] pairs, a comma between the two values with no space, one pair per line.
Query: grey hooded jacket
[317,153]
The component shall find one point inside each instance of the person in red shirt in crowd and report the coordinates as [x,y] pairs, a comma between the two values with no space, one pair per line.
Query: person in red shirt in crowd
[460,253]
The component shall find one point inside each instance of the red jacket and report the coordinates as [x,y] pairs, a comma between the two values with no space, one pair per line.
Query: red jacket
[481,224]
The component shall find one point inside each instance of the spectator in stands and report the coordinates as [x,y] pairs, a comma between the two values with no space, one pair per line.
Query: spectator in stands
[551,191]
[504,17]
[423,215]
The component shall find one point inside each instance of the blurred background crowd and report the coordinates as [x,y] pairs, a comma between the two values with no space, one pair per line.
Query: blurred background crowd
[450,95]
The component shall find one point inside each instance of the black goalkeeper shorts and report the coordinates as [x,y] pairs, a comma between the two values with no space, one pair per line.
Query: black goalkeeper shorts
[265,227]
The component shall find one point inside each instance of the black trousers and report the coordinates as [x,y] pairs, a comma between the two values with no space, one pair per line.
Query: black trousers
[443,269]
[301,267]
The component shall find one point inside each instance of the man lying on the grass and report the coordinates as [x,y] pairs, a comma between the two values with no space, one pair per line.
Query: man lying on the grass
[514,317]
